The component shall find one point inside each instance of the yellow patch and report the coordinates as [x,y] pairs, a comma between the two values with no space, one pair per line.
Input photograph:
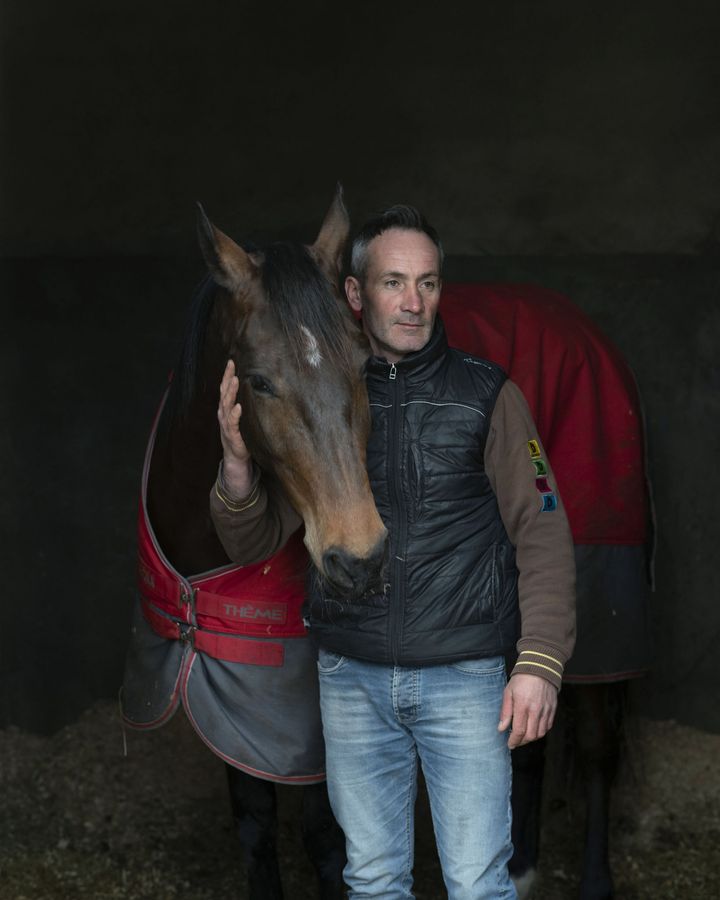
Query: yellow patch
[534,449]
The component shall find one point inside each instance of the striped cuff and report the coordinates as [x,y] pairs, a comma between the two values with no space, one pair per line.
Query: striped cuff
[543,662]
[237,505]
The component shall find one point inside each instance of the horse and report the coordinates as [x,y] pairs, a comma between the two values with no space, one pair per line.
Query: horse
[228,642]
[586,405]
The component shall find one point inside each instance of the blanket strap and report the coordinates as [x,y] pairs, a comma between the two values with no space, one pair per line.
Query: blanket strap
[230,648]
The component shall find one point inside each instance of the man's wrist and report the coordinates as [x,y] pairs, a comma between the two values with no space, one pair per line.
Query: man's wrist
[237,506]
[235,478]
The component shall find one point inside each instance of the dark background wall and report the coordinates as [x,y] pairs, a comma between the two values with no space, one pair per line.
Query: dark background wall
[573,145]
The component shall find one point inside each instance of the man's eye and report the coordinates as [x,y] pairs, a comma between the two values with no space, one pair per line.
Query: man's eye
[429,285]
[392,282]
[261,385]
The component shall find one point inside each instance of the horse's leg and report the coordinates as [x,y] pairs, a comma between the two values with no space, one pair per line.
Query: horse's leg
[254,807]
[324,841]
[528,765]
[598,715]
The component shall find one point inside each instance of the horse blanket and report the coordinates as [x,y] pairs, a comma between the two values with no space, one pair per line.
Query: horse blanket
[231,647]
[585,403]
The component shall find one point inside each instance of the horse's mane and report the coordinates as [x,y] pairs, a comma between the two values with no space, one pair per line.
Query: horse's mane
[187,371]
[299,295]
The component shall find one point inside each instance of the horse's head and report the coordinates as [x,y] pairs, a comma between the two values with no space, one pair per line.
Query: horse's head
[299,356]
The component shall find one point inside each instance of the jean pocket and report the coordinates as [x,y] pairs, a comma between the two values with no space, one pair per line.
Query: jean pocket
[329,662]
[488,665]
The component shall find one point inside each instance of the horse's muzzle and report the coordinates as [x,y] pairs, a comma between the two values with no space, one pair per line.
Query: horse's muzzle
[351,576]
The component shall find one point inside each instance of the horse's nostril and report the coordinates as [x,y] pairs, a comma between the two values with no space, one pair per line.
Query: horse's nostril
[340,569]
[354,575]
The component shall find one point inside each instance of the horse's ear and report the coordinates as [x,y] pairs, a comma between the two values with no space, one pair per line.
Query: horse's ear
[228,263]
[332,237]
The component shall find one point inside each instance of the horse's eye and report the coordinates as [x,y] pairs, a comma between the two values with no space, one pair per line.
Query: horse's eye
[261,385]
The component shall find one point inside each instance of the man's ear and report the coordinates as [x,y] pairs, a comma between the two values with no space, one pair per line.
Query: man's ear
[353,294]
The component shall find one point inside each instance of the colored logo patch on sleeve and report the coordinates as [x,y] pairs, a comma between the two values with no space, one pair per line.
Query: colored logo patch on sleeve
[549,503]
[534,449]
[542,485]
[540,467]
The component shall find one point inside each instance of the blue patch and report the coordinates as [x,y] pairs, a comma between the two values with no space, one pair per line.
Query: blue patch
[549,503]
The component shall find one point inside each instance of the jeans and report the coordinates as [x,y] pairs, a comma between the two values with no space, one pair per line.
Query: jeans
[378,720]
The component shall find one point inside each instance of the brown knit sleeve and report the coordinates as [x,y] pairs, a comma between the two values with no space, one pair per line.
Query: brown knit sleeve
[534,517]
[254,527]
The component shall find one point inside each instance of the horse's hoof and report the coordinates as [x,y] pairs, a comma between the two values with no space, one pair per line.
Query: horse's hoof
[523,883]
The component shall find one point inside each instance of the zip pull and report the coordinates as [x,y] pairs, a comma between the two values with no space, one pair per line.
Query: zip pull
[393,372]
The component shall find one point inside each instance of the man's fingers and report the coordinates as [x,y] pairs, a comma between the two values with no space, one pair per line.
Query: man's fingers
[546,722]
[228,392]
[506,710]
[518,730]
[531,729]
[530,725]
[229,410]
[229,380]
[228,373]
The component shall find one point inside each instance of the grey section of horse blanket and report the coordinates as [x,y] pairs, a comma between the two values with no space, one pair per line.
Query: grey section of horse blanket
[264,720]
[613,617]
[153,669]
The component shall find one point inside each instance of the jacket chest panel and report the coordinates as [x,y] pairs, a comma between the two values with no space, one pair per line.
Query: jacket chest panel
[432,439]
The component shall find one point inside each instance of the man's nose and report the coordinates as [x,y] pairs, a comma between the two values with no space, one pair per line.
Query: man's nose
[412,300]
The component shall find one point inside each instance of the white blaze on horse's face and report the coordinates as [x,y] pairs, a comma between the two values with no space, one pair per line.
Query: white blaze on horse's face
[312,353]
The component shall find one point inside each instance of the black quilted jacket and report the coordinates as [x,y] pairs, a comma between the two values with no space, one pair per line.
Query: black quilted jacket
[451,590]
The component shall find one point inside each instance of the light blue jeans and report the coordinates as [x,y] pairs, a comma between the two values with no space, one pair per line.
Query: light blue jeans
[378,720]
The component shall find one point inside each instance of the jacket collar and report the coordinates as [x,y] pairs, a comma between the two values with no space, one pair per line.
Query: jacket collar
[418,360]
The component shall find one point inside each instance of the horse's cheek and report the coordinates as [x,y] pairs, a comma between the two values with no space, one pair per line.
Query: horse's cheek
[252,432]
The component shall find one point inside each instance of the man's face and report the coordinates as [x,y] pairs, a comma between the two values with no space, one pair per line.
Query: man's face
[400,294]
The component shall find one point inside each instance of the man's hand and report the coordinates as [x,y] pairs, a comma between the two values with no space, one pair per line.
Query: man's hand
[237,463]
[529,703]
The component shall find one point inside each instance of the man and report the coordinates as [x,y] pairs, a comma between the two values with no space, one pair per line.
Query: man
[479,546]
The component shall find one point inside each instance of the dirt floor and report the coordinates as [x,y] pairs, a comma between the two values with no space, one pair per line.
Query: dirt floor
[80,819]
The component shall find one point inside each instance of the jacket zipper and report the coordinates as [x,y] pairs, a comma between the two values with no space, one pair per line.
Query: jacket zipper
[397,564]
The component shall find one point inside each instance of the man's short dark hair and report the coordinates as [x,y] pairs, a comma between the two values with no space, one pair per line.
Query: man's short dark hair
[399,216]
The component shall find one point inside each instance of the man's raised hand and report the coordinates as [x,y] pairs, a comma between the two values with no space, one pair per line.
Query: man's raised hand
[237,462]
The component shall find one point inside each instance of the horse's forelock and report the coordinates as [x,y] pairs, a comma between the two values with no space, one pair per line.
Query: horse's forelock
[305,307]
[302,303]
